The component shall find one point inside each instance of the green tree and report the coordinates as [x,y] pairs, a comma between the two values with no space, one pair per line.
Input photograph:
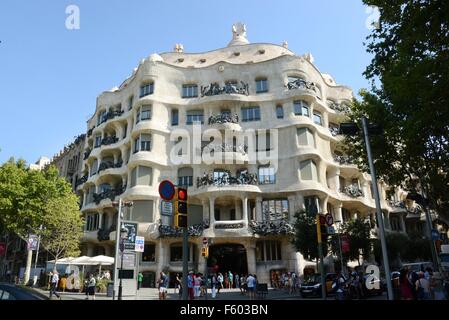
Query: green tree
[358,233]
[305,240]
[409,98]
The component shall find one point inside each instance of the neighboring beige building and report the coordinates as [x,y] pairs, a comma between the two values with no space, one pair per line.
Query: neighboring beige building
[236,88]
[40,163]
[69,160]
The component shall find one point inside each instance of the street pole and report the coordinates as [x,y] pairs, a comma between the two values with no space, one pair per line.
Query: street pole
[206,276]
[117,239]
[320,254]
[341,254]
[379,215]
[185,261]
[122,248]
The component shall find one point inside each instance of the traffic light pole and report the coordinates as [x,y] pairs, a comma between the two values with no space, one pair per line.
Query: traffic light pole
[185,261]
[380,220]
[320,255]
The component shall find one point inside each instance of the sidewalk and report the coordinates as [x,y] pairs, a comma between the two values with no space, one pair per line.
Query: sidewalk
[153,294]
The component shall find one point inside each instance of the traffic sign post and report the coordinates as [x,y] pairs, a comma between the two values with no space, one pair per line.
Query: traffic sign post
[320,221]
[166,208]
[329,219]
[140,244]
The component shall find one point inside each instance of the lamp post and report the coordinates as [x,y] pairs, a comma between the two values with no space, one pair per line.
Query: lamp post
[123,236]
[353,129]
[341,250]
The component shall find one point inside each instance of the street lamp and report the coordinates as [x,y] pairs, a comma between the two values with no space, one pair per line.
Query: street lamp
[353,129]
[343,269]
[123,237]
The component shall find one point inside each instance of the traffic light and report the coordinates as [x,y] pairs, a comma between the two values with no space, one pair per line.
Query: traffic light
[181,206]
[205,252]
[322,228]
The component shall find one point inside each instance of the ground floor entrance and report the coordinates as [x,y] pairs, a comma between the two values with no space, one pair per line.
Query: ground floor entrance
[228,257]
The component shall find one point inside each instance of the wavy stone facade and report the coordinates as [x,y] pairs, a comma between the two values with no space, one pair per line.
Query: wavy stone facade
[239,87]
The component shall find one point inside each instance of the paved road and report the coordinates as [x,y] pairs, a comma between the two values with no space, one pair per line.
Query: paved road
[226,294]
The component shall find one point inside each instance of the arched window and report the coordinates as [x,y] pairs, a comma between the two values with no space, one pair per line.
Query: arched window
[279,112]
[185,176]
[308,170]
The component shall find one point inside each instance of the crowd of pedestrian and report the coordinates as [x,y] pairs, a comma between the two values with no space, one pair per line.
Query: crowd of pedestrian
[423,285]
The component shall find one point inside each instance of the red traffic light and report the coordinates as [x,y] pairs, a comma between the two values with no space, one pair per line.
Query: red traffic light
[182,194]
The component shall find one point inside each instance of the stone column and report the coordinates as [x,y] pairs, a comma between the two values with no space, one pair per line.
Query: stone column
[291,208]
[300,201]
[205,204]
[161,256]
[100,219]
[387,224]
[324,205]
[251,257]
[212,211]
[338,214]
[245,210]
[365,190]
[259,216]
[404,229]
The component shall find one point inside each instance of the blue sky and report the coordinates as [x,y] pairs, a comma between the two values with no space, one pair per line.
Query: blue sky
[50,76]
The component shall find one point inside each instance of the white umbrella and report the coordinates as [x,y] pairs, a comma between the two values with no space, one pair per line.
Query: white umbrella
[62,261]
[102,261]
[84,260]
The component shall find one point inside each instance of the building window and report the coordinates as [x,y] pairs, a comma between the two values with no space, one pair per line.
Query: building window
[94,167]
[274,210]
[144,113]
[195,116]
[279,112]
[176,252]
[301,108]
[308,170]
[149,253]
[263,141]
[174,117]
[101,117]
[190,91]
[261,85]
[250,114]
[268,251]
[317,118]
[146,89]
[305,137]
[142,143]
[312,205]
[97,141]
[141,176]
[130,102]
[346,215]
[267,175]
[185,177]
[92,222]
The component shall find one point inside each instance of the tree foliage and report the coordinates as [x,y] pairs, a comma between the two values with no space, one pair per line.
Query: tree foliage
[305,239]
[358,233]
[409,97]
[30,199]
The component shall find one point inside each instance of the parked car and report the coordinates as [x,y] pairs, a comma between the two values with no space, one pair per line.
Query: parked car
[312,286]
[13,292]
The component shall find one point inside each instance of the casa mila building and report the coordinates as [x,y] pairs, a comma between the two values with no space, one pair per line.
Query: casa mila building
[280,153]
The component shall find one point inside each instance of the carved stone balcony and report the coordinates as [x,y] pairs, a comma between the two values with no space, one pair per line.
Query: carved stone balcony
[89,132]
[264,228]
[353,191]
[226,179]
[194,231]
[224,118]
[230,88]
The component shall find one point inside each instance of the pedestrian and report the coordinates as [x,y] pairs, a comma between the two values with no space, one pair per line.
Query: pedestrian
[220,281]
[243,286]
[163,284]
[92,282]
[178,285]
[139,280]
[54,284]
[214,284]
[251,285]
[437,287]
[405,286]
[237,281]
[190,285]
[230,280]
[197,284]
[423,287]
[226,280]
[339,286]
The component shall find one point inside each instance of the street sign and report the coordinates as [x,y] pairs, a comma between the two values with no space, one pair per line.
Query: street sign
[130,242]
[345,244]
[166,190]
[322,219]
[205,241]
[329,219]
[166,208]
[32,242]
[140,244]
[330,230]
[435,235]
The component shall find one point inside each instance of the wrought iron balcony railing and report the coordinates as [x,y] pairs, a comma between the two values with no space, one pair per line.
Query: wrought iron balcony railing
[109,140]
[281,227]
[341,107]
[301,83]
[353,191]
[87,154]
[224,118]
[334,130]
[89,132]
[225,147]
[214,89]
[194,231]
[343,159]
[81,180]
[108,194]
[108,164]
[226,179]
